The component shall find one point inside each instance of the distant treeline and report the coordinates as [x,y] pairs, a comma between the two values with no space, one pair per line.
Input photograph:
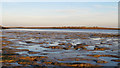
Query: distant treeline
[60,28]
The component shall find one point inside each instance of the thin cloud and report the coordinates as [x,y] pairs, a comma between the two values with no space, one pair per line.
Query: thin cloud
[103,6]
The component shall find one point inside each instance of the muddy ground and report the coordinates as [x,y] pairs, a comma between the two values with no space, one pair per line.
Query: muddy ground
[59,49]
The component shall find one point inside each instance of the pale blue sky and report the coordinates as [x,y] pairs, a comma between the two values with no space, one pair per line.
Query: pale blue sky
[60,0]
[60,14]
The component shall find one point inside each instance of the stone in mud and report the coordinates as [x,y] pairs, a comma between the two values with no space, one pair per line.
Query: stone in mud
[1,61]
[109,44]
[66,44]
[4,45]
[4,42]
[42,43]
[61,43]
[9,61]
[32,58]
[79,59]
[116,60]
[31,52]
[100,48]
[44,54]
[48,62]
[100,61]
[28,41]
[39,57]
[104,56]
[76,64]
[27,58]
[25,63]
[9,58]
[103,42]
[66,48]
[35,60]
[54,47]
[80,46]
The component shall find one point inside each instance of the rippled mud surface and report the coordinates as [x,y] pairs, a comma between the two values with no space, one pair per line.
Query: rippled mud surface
[58,49]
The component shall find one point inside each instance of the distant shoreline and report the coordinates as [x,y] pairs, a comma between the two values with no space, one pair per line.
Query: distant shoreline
[60,28]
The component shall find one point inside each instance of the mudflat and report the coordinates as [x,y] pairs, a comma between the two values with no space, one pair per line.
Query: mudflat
[58,49]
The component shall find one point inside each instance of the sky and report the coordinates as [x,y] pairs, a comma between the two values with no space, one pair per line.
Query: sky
[103,14]
[60,0]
